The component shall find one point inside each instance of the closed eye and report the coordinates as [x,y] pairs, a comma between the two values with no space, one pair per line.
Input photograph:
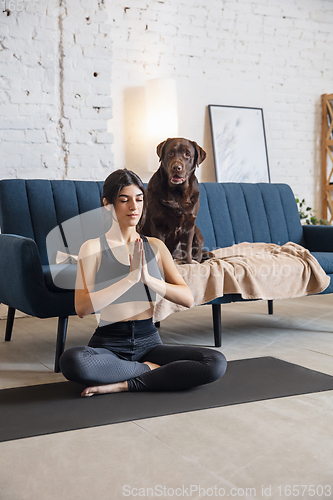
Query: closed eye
[124,199]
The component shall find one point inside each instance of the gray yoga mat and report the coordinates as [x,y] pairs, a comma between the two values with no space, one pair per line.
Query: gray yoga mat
[50,408]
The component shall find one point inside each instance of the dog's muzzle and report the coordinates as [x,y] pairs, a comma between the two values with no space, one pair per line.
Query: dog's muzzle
[177,174]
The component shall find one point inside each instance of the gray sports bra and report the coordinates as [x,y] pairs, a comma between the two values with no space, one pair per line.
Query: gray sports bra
[111,271]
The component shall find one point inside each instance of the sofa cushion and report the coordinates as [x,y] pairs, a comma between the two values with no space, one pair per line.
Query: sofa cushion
[325,259]
[248,212]
[204,221]
[44,204]
[60,277]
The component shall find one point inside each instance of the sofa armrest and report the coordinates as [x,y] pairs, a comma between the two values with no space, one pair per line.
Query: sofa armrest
[22,283]
[318,238]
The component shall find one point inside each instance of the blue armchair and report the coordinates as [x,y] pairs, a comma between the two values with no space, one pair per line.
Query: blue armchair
[29,210]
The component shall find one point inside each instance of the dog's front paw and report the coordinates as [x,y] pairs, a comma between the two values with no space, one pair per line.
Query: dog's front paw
[207,255]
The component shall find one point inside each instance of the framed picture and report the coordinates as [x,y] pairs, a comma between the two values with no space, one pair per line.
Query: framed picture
[239,144]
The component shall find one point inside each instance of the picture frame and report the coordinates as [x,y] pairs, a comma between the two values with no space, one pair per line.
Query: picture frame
[239,144]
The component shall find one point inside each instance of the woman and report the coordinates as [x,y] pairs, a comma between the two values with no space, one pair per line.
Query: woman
[119,275]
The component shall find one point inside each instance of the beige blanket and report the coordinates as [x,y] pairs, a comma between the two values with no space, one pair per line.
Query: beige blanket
[253,270]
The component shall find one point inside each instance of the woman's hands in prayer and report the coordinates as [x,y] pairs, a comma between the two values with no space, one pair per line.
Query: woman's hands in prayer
[138,264]
[172,287]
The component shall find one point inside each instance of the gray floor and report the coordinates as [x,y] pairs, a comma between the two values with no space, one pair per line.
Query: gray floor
[255,450]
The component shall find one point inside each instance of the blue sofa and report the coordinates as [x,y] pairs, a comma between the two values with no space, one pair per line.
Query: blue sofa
[232,213]
[229,213]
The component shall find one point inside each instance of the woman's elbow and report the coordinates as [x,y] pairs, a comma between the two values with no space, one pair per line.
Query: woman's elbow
[188,300]
[83,305]
[79,311]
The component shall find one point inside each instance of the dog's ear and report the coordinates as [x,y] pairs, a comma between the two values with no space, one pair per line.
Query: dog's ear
[159,148]
[201,153]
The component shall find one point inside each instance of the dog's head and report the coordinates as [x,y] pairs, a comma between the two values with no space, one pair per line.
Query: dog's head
[179,158]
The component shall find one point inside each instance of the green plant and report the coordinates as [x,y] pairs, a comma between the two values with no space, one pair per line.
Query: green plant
[306,215]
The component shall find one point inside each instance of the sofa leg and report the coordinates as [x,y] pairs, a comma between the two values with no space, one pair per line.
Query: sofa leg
[270,307]
[9,324]
[61,339]
[217,324]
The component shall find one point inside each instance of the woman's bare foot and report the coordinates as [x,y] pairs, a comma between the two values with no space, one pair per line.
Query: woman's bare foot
[151,365]
[105,389]
[109,388]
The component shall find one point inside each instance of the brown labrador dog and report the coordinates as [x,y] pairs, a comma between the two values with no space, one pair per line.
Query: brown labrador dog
[173,199]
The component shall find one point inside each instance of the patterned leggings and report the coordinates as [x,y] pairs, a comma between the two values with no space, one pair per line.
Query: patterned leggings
[117,352]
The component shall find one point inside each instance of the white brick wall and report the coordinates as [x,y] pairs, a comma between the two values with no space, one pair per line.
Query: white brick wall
[274,54]
[55,75]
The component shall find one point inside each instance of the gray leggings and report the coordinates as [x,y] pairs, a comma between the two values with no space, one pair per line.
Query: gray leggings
[133,342]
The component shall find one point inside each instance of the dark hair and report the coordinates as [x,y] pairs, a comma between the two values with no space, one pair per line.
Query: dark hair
[116,181]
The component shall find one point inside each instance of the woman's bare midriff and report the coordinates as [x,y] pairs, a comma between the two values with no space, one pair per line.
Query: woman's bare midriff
[127,312]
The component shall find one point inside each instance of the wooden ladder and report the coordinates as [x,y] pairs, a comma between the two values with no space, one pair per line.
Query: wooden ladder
[327,156]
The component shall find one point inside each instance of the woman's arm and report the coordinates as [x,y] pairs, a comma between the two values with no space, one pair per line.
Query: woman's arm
[86,300]
[174,288]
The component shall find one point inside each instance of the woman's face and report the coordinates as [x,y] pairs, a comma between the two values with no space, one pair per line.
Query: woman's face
[129,205]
